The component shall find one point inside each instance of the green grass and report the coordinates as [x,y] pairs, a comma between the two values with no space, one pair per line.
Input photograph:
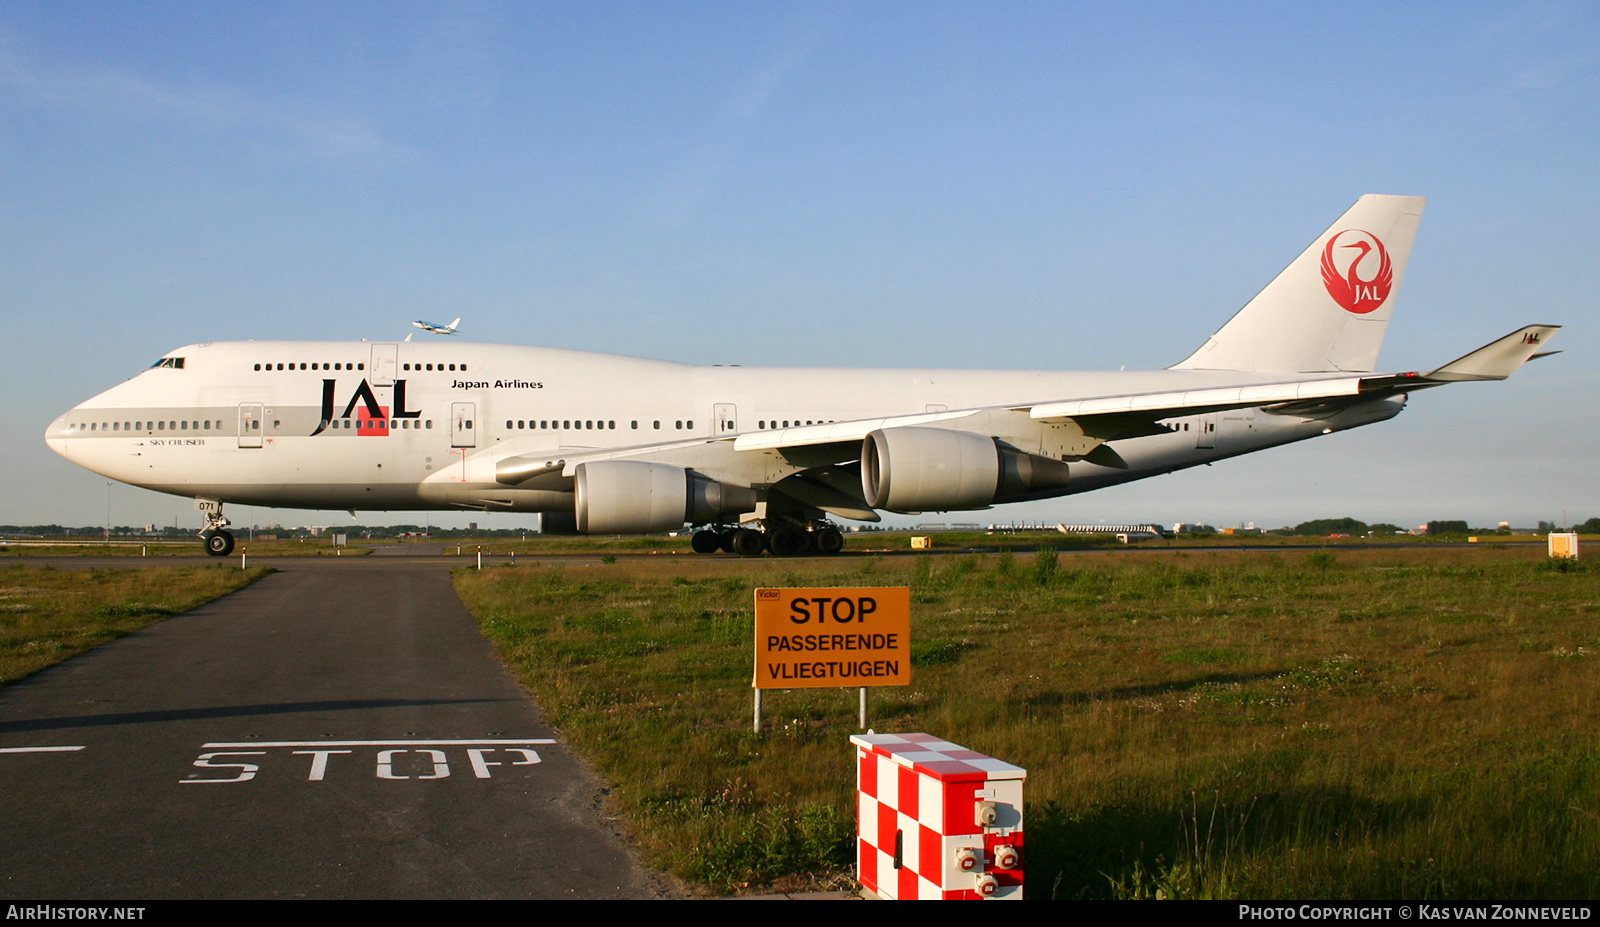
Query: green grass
[1361,724]
[48,615]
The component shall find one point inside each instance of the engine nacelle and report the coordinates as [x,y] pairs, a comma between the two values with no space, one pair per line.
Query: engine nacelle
[937,469]
[637,497]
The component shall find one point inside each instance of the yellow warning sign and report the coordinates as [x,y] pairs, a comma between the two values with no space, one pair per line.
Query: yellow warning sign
[820,638]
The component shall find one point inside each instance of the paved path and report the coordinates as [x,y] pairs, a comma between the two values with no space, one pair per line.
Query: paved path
[337,730]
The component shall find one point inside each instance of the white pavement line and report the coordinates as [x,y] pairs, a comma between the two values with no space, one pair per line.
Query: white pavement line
[374,743]
[39,749]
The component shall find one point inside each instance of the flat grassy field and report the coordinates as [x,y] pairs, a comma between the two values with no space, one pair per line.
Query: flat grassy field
[1398,723]
[48,615]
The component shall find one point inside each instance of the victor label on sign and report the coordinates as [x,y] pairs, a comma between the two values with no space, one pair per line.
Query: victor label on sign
[823,638]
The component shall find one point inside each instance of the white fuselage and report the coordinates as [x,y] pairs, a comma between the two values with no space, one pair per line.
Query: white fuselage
[369,425]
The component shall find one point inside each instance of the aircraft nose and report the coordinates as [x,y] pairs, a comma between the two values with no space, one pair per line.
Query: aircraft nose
[55,437]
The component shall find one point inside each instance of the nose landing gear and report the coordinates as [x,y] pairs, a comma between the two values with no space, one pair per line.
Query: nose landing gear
[216,537]
[218,543]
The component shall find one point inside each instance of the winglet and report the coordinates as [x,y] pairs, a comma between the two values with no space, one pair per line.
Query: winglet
[1498,359]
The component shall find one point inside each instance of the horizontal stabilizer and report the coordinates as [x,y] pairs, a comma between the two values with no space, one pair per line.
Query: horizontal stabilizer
[1498,359]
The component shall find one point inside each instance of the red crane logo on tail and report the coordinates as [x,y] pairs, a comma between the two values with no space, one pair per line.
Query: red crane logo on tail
[1357,250]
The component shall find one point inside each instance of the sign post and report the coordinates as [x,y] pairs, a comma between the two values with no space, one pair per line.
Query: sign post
[812,638]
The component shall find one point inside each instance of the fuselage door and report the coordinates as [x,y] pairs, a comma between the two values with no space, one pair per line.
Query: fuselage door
[724,419]
[463,427]
[1208,431]
[250,415]
[385,361]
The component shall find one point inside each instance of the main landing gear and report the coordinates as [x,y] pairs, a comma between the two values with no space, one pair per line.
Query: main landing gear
[781,540]
[216,537]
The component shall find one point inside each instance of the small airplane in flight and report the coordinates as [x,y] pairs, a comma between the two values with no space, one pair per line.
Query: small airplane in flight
[436,328]
[756,459]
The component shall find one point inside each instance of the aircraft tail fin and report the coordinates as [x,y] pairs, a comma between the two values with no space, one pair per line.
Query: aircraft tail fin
[452,325]
[1329,309]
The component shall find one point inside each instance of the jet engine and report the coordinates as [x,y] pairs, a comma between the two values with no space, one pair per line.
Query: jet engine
[938,469]
[636,497]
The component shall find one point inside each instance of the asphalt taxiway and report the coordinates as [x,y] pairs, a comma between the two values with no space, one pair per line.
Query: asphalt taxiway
[338,729]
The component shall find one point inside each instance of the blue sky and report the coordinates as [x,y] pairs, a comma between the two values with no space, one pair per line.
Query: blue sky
[1008,185]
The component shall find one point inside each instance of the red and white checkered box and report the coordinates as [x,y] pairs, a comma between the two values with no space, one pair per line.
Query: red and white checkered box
[935,820]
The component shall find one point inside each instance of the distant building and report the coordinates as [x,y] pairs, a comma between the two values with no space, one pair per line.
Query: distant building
[1130,530]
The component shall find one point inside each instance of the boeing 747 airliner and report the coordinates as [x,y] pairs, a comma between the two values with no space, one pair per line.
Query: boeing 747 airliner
[756,458]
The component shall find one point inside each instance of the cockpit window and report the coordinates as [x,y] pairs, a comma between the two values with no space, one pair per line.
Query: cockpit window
[175,363]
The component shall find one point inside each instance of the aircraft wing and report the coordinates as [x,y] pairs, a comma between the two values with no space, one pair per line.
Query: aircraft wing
[1494,361]
[816,459]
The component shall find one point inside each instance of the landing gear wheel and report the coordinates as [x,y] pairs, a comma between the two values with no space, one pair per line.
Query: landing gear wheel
[705,542]
[829,540]
[725,540]
[748,542]
[786,542]
[218,543]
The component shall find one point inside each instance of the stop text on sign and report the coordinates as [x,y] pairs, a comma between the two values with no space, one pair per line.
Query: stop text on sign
[821,638]
[838,609]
